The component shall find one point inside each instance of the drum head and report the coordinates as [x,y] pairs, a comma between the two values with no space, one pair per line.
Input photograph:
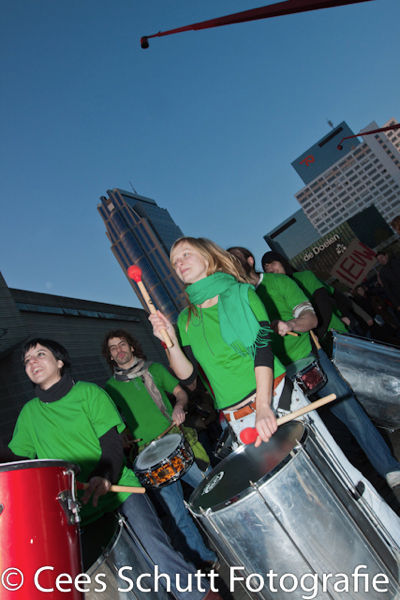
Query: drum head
[230,480]
[299,365]
[157,451]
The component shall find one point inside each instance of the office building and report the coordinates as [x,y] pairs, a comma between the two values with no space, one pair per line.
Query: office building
[80,325]
[341,183]
[367,226]
[292,235]
[141,233]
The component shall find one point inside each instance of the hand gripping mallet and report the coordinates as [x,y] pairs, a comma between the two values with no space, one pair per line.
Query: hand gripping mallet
[135,273]
[250,434]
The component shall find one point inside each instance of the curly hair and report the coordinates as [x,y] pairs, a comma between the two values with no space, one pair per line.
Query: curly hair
[124,335]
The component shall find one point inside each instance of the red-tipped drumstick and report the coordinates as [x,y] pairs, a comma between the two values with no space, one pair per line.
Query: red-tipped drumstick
[250,434]
[135,273]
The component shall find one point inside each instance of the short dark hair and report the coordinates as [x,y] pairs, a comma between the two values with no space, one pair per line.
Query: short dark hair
[124,335]
[272,256]
[57,350]
[246,254]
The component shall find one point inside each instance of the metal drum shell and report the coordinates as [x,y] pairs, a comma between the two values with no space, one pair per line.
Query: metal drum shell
[107,546]
[372,370]
[297,518]
[35,530]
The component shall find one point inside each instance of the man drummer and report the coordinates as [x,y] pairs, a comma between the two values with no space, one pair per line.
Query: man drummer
[289,311]
[139,389]
[78,422]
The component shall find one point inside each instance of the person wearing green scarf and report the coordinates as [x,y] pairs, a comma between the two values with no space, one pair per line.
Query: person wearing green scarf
[226,331]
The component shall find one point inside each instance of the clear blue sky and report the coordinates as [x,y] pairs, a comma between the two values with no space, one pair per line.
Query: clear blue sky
[206,123]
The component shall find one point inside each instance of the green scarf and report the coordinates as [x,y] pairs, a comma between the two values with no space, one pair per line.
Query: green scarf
[240,328]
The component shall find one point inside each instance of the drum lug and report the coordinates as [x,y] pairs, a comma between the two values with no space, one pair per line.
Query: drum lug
[69,502]
[70,506]
[205,513]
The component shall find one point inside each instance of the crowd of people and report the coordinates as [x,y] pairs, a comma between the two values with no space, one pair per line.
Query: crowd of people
[235,335]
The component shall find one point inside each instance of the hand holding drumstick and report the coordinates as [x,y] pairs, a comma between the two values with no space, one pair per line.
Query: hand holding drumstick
[135,273]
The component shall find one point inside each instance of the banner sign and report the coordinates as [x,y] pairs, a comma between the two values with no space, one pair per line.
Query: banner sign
[354,264]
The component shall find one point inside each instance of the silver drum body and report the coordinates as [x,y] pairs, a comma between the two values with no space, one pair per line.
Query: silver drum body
[108,545]
[281,507]
[372,370]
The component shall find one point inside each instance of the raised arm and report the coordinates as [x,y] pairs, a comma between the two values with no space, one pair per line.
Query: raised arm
[180,364]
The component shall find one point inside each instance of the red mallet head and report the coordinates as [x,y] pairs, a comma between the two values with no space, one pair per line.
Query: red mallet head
[135,273]
[248,435]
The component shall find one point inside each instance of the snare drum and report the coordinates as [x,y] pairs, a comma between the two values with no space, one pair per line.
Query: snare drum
[281,507]
[308,375]
[109,545]
[38,528]
[163,461]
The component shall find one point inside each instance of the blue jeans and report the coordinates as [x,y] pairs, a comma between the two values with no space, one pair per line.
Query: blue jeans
[142,518]
[190,539]
[351,413]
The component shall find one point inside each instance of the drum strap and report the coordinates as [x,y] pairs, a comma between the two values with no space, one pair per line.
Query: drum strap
[286,397]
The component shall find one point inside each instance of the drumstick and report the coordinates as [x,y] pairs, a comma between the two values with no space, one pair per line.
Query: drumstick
[250,434]
[292,333]
[115,488]
[135,273]
[315,340]
[166,431]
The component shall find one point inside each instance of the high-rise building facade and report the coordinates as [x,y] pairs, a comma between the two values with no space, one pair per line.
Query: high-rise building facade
[292,235]
[341,183]
[141,233]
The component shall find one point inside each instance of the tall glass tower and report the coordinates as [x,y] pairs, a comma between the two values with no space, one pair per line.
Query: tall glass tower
[141,233]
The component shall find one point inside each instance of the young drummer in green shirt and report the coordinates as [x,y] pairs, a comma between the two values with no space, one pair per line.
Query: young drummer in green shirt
[225,330]
[281,295]
[80,423]
[139,390]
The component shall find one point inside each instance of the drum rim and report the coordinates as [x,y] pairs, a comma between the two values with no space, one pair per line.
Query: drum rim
[309,359]
[182,442]
[38,463]
[217,508]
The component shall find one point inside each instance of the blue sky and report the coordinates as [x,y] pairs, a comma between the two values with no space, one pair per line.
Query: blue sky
[206,123]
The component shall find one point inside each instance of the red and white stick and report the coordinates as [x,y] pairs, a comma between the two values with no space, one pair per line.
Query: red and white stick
[250,434]
[135,273]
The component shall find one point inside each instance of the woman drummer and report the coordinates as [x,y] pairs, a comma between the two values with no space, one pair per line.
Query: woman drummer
[226,330]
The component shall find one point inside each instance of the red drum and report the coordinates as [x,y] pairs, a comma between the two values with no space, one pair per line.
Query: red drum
[39,531]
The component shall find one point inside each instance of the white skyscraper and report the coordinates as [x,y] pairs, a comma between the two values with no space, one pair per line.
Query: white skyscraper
[360,175]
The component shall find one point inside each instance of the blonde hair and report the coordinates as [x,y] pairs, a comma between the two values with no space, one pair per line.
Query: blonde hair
[218,259]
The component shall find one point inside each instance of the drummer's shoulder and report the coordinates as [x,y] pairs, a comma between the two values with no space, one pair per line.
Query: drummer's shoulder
[88,388]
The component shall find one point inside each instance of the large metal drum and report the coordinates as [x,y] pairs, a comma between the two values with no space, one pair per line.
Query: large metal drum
[281,509]
[372,370]
[114,562]
[39,533]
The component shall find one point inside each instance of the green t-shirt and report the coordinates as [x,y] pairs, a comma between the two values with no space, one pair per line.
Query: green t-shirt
[231,375]
[281,295]
[69,429]
[144,418]
[310,283]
